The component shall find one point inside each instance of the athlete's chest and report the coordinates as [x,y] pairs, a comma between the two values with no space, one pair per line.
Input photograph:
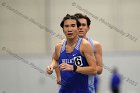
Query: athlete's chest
[73,58]
[69,49]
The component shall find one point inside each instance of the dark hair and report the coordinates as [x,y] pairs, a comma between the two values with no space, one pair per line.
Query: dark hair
[70,17]
[79,16]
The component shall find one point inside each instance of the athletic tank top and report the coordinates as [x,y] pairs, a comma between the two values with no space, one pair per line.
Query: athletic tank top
[91,77]
[72,80]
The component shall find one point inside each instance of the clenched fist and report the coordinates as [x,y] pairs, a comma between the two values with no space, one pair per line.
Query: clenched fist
[50,69]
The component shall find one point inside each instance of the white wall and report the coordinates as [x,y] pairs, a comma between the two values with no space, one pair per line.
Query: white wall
[20,26]
[123,14]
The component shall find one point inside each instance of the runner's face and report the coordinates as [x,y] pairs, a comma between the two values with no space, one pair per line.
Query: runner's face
[70,28]
[83,29]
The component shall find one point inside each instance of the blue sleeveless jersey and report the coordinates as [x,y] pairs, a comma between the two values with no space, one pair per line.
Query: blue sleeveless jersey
[73,82]
[91,83]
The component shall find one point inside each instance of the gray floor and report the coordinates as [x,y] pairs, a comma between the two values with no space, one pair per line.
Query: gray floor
[26,74]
